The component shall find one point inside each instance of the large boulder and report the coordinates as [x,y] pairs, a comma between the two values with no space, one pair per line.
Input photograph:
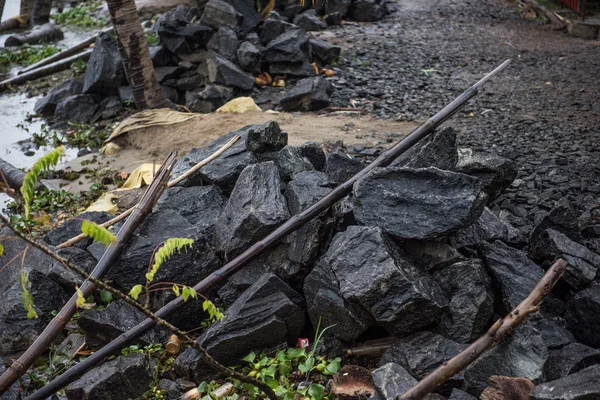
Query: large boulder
[309,21]
[291,162]
[255,208]
[225,43]
[418,203]
[272,28]
[391,380]
[289,53]
[72,227]
[324,52]
[209,99]
[373,273]
[125,377]
[583,316]
[570,359]
[471,305]
[104,71]
[339,7]
[224,72]
[250,16]
[198,204]
[77,108]
[523,354]
[219,14]
[249,57]
[340,166]
[583,385]
[178,33]
[562,218]
[47,104]
[436,150]
[513,274]
[309,94]
[367,10]
[488,227]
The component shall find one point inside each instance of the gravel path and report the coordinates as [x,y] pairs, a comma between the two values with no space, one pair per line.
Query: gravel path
[543,112]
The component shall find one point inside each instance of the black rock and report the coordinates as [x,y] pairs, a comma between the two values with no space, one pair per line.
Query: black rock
[391,380]
[80,108]
[471,305]
[224,72]
[367,10]
[314,153]
[268,314]
[240,281]
[488,227]
[340,166]
[554,334]
[175,389]
[570,359]
[334,18]
[188,82]
[111,107]
[583,385]
[513,274]
[522,354]
[273,28]
[65,278]
[437,150]
[460,395]
[164,73]
[495,172]
[249,57]
[72,228]
[562,218]
[339,7]
[309,21]
[104,71]
[255,207]
[324,52]
[374,274]
[128,375]
[431,255]
[47,104]
[251,18]
[102,326]
[292,46]
[291,162]
[219,14]
[209,99]
[225,43]
[266,138]
[295,69]
[583,316]
[161,57]
[421,353]
[178,34]
[418,203]
[200,205]
[309,94]
[305,244]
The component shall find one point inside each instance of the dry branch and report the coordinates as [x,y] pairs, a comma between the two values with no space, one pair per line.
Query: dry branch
[495,335]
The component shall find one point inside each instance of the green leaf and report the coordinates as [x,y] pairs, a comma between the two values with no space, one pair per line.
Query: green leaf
[97,233]
[1,249]
[30,181]
[171,247]
[250,357]
[106,296]
[175,289]
[203,387]
[285,368]
[272,383]
[26,296]
[185,293]
[264,361]
[136,291]
[333,367]
[316,391]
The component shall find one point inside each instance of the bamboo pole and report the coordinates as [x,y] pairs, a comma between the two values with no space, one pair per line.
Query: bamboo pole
[492,337]
[151,196]
[274,237]
[14,176]
[174,182]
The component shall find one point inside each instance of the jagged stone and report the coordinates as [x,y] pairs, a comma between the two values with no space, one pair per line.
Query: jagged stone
[460,395]
[72,228]
[309,94]
[583,385]
[269,138]
[436,150]
[513,274]
[129,375]
[391,380]
[104,71]
[309,21]
[471,304]
[111,107]
[488,227]
[324,52]
[583,316]
[219,14]
[175,389]
[431,255]
[339,7]
[367,10]
[291,162]
[570,359]
[198,204]
[314,153]
[79,108]
[418,203]
[340,166]
[177,32]
[291,46]
[522,354]
[47,104]
[225,43]
[273,28]
[250,16]
[249,57]
[255,207]
[562,218]
[209,99]
[224,72]
[554,334]
[160,56]
[171,72]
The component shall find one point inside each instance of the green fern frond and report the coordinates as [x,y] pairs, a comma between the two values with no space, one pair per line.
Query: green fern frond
[97,233]
[26,296]
[1,249]
[136,291]
[171,247]
[31,177]
[214,314]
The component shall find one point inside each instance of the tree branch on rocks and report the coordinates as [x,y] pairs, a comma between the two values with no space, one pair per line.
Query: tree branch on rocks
[159,321]
[491,338]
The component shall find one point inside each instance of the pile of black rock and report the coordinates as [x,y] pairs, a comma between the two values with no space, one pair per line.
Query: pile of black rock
[414,253]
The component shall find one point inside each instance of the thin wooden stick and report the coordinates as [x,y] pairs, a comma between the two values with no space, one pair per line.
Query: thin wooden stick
[151,196]
[492,337]
[172,183]
[293,224]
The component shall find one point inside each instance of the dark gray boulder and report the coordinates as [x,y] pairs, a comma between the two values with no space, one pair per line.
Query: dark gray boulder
[391,380]
[178,34]
[79,108]
[374,274]
[309,21]
[339,7]
[488,227]
[583,385]
[431,255]
[367,10]
[583,316]
[471,305]
[418,203]
[209,99]
[250,16]
[249,57]
[175,389]
[224,72]
[582,264]
[291,162]
[522,354]
[255,208]
[495,172]
[570,359]
[160,56]
[314,153]
[111,107]
[562,218]
[47,104]
[458,394]
[104,71]
[436,150]
[324,52]
[200,205]
[171,72]
[513,274]
[124,377]
[225,43]
[268,138]
[219,14]
[554,332]
[309,94]
[72,227]
[340,166]
[289,53]
[272,28]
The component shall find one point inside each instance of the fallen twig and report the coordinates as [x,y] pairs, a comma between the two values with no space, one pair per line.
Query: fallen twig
[172,183]
[492,337]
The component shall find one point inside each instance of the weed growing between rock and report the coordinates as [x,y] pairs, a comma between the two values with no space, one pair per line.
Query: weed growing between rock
[77,134]
[25,55]
[81,15]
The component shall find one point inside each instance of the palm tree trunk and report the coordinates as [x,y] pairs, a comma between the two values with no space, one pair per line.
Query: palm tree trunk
[133,48]
[2,3]
[41,12]
[25,10]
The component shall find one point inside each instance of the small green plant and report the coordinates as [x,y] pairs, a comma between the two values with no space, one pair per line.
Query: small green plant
[80,15]
[26,296]
[97,232]
[78,135]
[152,38]
[25,55]
[79,67]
